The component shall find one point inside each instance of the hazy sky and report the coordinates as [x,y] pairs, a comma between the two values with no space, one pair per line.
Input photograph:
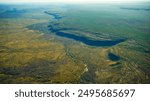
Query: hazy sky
[72,0]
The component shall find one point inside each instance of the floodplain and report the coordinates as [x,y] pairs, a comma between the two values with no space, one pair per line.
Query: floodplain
[74,43]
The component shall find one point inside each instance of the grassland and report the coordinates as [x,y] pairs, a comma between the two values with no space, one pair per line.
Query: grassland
[31,53]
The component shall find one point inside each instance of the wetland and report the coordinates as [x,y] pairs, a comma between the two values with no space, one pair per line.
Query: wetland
[74,43]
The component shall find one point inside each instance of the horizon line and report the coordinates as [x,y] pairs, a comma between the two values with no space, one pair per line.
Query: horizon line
[76,2]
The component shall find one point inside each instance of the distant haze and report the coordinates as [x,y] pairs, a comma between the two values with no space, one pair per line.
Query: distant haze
[83,1]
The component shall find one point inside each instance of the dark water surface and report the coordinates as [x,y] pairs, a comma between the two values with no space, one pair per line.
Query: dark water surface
[113,57]
[89,41]
[82,39]
[56,16]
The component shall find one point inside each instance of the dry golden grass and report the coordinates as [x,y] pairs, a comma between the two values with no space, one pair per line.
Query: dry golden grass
[26,57]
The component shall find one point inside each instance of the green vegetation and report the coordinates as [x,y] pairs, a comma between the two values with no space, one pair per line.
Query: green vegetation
[31,53]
